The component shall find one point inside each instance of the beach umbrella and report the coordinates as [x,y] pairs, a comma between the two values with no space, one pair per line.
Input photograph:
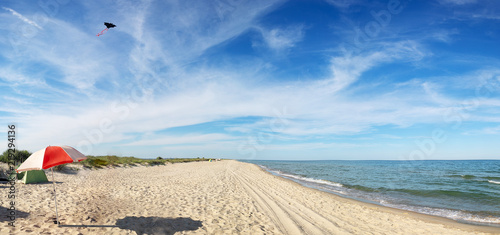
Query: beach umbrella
[49,157]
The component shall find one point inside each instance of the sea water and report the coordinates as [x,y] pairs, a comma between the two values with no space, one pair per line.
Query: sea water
[466,191]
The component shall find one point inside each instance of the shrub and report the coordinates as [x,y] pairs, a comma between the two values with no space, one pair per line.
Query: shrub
[60,167]
[100,161]
[156,162]
[19,156]
[112,159]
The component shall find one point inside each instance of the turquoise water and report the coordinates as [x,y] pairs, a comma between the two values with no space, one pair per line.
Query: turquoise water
[466,191]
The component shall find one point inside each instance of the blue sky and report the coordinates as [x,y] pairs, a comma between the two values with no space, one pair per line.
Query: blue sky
[270,79]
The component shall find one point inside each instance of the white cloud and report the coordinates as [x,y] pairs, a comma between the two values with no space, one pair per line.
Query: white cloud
[446,36]
[279,39]
[432,90]
[341,3]
[387,136]
[205,25]
[23,18]
[69,51]
[458,2]
[312,108]
[490,16]
[14,77]
[485,131]
[190,139]
[347,69]
[307,112]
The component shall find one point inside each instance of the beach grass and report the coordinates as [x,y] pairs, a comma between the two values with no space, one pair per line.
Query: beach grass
[97,162]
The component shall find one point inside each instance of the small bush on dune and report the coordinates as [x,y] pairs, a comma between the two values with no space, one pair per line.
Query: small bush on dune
[111,159]
[156,163]
[18,156]
[102,161]
[60,167]
[94,162]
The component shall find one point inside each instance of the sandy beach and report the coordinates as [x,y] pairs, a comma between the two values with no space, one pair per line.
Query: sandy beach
[226,197]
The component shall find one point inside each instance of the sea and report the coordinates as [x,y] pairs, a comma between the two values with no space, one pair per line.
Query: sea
[465,191]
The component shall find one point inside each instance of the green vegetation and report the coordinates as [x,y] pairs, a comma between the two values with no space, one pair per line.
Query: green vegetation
[97,162]
[19,156]
[60,167]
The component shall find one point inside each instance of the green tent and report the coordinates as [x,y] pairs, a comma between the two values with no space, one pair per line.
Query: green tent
[31,177]
[20,175]
[34,176]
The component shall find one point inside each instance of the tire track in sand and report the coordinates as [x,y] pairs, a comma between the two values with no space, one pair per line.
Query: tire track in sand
[280,217]
[311,221]
[289,216]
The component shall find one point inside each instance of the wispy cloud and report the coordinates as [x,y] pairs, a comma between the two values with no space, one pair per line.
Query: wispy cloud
[190,139]
[21,17]
[347,69]
[315,108]
[444,35]
[280,39]
[77,56]
[341,3]
[458,2]
[485,131]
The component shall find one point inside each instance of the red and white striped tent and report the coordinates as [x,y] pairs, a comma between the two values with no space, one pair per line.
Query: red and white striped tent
[49,157]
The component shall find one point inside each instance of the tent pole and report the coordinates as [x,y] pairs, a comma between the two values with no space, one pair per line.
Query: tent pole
[55,198]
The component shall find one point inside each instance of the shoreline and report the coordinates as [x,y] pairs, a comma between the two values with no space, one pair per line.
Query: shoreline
[328,183]
[205,198]
[415,215]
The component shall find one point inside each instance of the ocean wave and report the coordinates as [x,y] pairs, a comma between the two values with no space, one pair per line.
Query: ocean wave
[448,194]
[492,178]
[312,180]
[303,178]
[465,216]
[494,182]
[362,188]
[467,177]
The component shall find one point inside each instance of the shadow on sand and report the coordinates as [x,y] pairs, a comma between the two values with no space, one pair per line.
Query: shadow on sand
[5,214]
[150,225]
[157,225]
[86,226]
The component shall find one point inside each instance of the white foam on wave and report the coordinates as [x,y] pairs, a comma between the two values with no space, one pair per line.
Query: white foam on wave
[447,213]
[312,180]
[493,182]
[305,179]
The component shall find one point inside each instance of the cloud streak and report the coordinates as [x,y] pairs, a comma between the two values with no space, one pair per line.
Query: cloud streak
[23,18]
[458,2]
[280,39]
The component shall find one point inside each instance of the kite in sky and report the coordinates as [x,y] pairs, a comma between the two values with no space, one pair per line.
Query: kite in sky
[108,26]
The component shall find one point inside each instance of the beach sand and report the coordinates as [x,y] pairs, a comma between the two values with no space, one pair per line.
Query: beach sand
[225,197]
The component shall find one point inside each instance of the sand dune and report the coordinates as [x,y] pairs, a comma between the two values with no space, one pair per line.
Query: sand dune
[226,197]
